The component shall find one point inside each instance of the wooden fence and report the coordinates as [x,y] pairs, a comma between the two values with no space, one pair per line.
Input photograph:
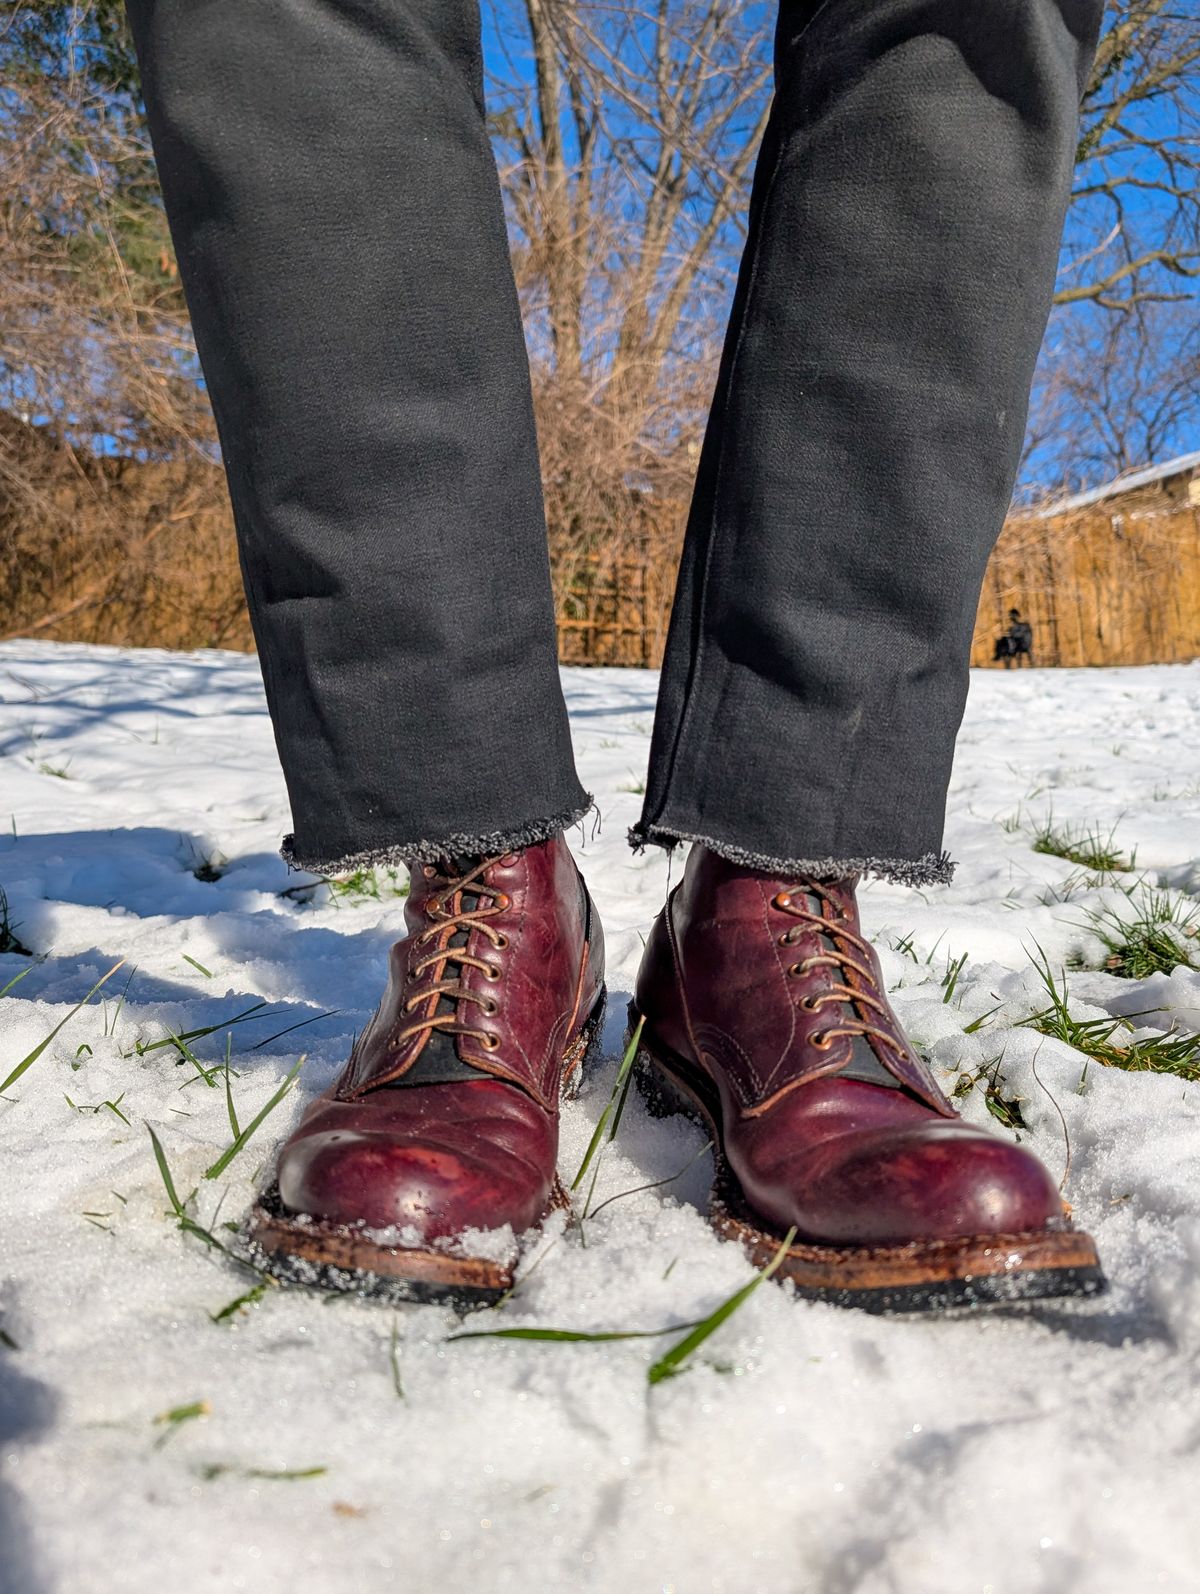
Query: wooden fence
[614,610]
[1104,587]
[117,550]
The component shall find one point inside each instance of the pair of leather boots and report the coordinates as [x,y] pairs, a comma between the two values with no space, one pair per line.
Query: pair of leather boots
[764,1016]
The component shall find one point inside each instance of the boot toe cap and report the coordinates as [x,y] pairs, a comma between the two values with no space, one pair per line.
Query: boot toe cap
[432,1190]
[941,1181]
[953,1182]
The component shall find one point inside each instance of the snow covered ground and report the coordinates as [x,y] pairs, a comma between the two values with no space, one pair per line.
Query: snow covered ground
[805,1450]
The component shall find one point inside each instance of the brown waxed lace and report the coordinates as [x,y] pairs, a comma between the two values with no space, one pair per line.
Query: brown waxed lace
[449,918]
[840,958]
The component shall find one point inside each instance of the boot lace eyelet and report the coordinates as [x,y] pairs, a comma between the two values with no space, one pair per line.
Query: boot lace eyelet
[492,973]
[428,871]
[490,1007]
[490,1042]
[820,1039]
[501,941]
[808,1003]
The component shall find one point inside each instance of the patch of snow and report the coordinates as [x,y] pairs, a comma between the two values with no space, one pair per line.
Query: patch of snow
[1051,1450]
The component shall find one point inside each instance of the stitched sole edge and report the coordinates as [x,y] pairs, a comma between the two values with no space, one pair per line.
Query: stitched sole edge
[306,1251]
[921,1276]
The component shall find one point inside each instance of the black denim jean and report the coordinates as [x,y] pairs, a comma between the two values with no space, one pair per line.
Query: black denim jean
[338,220]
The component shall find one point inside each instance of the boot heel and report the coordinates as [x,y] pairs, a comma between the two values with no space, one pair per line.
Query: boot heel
[594,1030]
[663,1096]
[588,1048]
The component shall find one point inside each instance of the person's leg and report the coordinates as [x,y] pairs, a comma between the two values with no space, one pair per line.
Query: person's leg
[908,206]
[337,216]
[905,225]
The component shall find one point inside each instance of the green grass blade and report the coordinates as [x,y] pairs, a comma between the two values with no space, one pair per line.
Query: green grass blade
[394,1359]
[587,1206]
[160,1157]
[953,972]
[189,1056]
[28,1062]
[286,1474]
[520,1283]
[316,1018]
[171,1421]
[229,1107]
[195,1408]
[598,1132]
[212,1470]
[187,1223]
[16,979]
[655,1184]
[245,1017]
[625,1077]
[569,1336]
[207,973]
[121,1003]
[227,1156]
[235,1306]
[977,1024]
[668,1365]
[190,1226]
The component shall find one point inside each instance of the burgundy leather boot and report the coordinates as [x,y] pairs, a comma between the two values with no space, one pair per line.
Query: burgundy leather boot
[766,1017]
[445,1120]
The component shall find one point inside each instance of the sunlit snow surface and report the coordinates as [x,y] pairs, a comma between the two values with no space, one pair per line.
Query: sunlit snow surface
[806,1451]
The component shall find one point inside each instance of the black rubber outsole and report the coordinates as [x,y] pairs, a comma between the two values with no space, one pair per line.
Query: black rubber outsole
[967,1294]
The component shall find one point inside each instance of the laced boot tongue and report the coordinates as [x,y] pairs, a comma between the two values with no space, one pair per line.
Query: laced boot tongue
[865,1066]
[439,1062]
[459,865]
[862,1064]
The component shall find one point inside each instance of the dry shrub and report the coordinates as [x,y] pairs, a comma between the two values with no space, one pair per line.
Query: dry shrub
[116,549]
[616,505]
[114,524]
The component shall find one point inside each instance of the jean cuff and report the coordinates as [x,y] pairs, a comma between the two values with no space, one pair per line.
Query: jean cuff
[931,869]
[431,849]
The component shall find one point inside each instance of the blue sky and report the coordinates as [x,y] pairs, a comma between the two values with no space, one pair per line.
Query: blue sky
[1142,208]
